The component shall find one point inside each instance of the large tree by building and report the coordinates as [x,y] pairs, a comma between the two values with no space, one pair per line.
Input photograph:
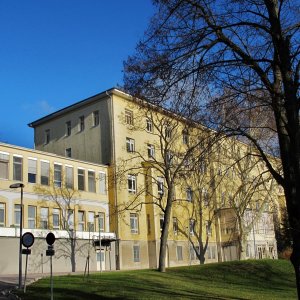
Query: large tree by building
[163,161]
[235,48]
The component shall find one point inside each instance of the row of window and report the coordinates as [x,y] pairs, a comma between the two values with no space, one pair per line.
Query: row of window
[132,188]
[134,225]
[80,126]
[44,218]
[60,173]
[129,120]
[210,253]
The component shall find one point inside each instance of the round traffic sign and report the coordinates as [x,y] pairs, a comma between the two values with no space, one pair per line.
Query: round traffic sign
[27,239]
[50,238]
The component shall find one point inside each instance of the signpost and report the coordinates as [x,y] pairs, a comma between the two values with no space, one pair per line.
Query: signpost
[50,239]
[27,241]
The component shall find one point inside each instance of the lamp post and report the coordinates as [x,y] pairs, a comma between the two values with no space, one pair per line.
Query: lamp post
[98,216]
[16,186]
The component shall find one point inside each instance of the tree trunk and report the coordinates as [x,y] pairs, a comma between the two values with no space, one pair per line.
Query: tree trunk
[164,234]
[73,258]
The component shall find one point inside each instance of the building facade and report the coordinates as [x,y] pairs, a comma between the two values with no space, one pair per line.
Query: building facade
[142,145]
[65,196]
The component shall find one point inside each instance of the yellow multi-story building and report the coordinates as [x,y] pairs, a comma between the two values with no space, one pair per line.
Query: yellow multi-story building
[66,196]
[155,157]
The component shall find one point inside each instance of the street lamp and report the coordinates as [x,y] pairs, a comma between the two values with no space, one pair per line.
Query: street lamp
[16,186]
[98,216]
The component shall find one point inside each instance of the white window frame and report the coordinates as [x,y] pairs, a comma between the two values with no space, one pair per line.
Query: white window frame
[149,125]
[69,177]
[17,163]
[130,144]
[134,223]
[91,181]
[56,217]
[151,150]
[81,176]
[102,183]
[136,253]
[131,183]
[81,124]
[32,170]
[57,178]
[31,220]
[44,218]
[2,214]
[81,220]
[45,172]
[4,160]
[128,116]
[160,186]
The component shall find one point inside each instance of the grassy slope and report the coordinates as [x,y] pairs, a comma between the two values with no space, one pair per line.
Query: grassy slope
[261,279]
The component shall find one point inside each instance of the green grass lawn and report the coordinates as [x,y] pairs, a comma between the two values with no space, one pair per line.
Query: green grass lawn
[260,279]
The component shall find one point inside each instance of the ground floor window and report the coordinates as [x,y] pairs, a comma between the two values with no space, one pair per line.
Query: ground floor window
[179,253]
[136,253]
[211,252]
[2,214]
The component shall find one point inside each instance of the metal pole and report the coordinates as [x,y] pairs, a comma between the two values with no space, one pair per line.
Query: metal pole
[42,262]
[51,278]
[25,273]
[100,244]
[20,241]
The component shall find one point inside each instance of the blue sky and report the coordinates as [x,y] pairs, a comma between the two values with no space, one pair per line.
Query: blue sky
[56,52]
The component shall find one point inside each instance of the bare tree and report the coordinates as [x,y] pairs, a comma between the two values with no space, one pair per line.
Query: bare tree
[65,199]
[162,161]
[244,46]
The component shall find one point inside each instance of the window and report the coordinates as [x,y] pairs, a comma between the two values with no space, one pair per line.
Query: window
[102,183]
[17,170]
[56,218]
[185,137]
[68,128]
[128,117]
[205,197]
[202,166]
[169,156]
[2,215]
[192,226]
[161,221]
[69,177]
[57,175]
[47,136]
[44,218]
[81,123]
[91,181]
[91,221]
[4,161]
[68,152]
[96,119]
[70,219]
[131,182]
[211,252]
[136,253]
[32,166]
[208,227]
[81,179]
[175,225]
[149,125]
[45,169]
[31,217]
[160,186]
[192,253]
[129,144]
[151,150]
[101,221]
[168,131]
[189,194]
[17,213]
[179,253]
[81,220]
[134,224]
